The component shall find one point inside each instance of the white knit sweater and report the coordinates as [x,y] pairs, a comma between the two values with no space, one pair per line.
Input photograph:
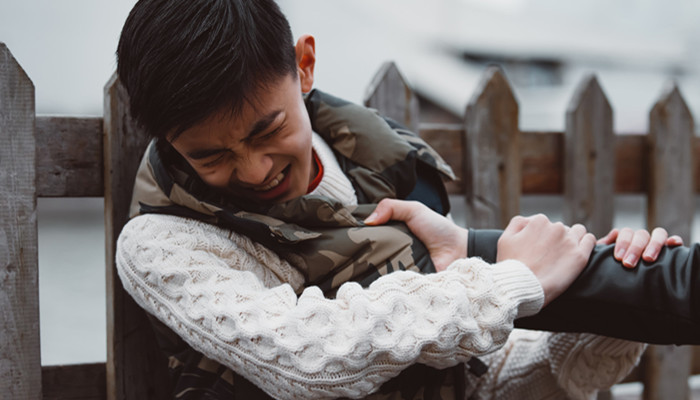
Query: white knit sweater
[234,301]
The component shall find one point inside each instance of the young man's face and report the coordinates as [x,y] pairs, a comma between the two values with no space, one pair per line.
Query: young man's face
[264,154]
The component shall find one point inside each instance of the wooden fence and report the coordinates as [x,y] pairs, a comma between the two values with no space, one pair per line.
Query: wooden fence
[587,164]
[74,157]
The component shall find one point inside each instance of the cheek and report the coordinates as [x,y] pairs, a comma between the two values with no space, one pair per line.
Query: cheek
[303,153]
[302,143]
[305,147]
[302,140]
[296,145]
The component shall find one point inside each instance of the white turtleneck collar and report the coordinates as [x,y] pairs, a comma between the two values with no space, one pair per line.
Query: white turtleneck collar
[334,183]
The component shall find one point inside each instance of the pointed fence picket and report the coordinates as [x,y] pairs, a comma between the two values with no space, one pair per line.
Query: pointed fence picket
[589,159]
[136,369]
[20,368]
[497,162]
[491,153]
[390,93]
[670,204]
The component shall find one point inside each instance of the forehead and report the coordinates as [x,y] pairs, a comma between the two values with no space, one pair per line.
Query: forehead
[261,107]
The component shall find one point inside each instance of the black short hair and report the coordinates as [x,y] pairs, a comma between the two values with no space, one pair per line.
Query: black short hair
[183,60]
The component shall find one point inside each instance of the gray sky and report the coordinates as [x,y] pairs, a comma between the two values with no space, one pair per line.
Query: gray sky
[66,47]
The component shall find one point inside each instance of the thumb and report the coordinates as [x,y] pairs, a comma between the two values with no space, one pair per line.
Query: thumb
[390,209]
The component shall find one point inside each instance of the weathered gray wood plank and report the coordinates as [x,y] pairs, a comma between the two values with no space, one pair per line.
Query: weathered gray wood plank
[136,369]
[20,355]
[447,141]
[70,162]
[541,157]
[393,97]
[670,205]
[589,159]
[492,158]
[74,382]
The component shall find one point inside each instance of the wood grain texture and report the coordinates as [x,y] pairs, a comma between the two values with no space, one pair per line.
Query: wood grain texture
[70,157]
[542,159]
[670,204]
[79,168]
[74,382]
[136,369]
[20,355]
[631,164]
[390,94]
[671,136]
[447,140]
[492,166]
[589,159]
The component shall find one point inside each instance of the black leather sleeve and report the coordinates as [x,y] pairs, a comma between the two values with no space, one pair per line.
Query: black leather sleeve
[656,302]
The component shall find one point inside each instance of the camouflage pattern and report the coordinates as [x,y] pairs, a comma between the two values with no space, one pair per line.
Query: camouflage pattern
[324,240]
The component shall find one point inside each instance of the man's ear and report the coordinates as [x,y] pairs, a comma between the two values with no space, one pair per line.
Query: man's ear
[306,60]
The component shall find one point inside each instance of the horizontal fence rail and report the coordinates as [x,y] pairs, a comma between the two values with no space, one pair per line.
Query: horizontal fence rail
[77,171]
[71,157]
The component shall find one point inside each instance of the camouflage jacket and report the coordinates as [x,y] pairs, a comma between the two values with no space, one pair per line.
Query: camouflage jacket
[323,239]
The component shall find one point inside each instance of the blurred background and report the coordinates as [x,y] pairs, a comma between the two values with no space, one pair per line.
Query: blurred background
[546,47]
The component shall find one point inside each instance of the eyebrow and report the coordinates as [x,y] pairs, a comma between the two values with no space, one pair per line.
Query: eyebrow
[261,125]
[202,154]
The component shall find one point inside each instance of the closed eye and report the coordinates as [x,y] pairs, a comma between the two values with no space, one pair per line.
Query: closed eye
[219,157]
[270,134]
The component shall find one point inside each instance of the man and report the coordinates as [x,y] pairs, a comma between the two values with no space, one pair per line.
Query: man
[251,253]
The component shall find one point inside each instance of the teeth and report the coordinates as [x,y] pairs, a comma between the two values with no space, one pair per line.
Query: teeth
[272,184]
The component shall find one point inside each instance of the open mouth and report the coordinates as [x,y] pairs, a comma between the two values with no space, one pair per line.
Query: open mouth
[275,188]
[276,181]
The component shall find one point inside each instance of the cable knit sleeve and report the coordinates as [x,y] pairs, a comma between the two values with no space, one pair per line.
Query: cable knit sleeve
[535,365]
[233,300]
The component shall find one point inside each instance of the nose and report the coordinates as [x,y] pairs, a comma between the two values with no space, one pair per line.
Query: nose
[254,169]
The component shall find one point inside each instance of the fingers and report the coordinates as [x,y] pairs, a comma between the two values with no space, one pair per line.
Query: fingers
[516,225]
[381,214]
[588,242]
[674,240]
[519,223]
[633,245]
[658,239]
[640,240]
[392,209]
[610,237]
[578,230]
[555,253]
[624,238]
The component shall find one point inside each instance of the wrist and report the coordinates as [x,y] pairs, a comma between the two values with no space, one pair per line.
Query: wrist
[463,242]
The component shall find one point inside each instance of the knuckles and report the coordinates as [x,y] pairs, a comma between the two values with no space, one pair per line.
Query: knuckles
[540,219]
